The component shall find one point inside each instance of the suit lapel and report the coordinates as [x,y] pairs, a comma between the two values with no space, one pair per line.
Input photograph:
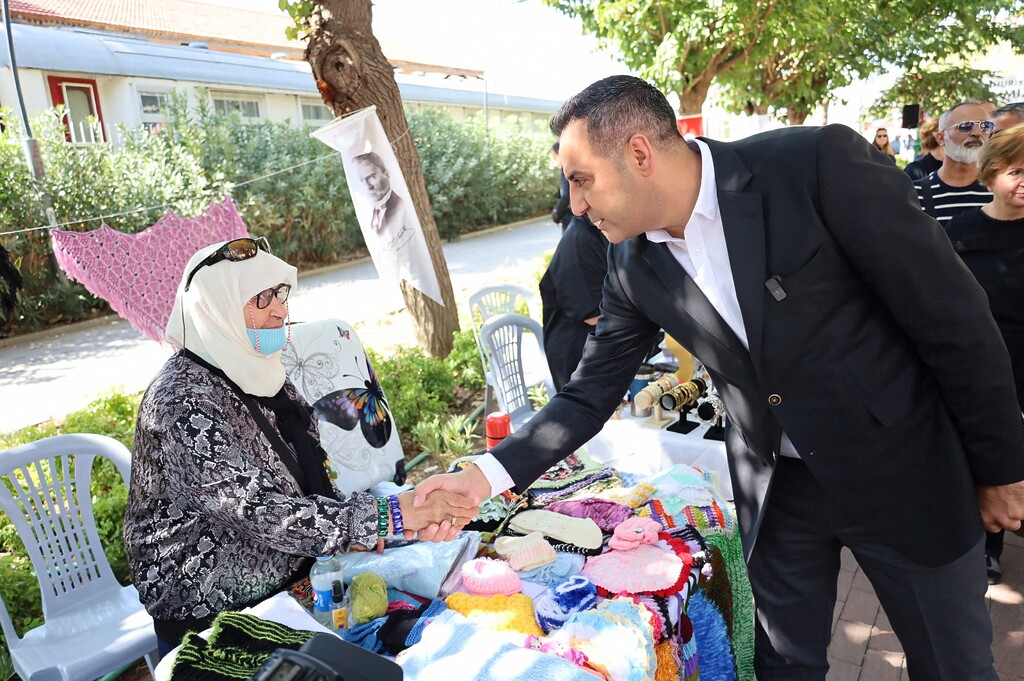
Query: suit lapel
[688,297]
[743,219]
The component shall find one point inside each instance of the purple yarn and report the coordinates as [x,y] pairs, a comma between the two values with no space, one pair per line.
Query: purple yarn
[607,514]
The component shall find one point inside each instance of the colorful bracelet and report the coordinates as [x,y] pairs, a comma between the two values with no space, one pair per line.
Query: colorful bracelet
[396,514]
[382,517]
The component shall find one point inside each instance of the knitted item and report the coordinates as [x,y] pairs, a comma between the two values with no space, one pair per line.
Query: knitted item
[564,566]
[616,638]
[570,475]
[634,496]
[634,532]
[582,532]
[486,577]
[369,597]
[237,647]
[366,635]
[716,660]
[646,569]
[592,483]
[714,583]
[742,603]
[499,613]
[430,612]
[688,650]
[607,514]
[453,649]
[525,553]
[667,654]
[554,606]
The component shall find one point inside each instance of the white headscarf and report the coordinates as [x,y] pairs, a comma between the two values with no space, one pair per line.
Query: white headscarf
[207,319]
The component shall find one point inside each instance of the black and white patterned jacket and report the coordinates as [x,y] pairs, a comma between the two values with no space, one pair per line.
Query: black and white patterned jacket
[214,519]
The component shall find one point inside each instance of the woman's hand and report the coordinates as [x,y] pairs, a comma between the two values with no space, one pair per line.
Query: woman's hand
[448,510]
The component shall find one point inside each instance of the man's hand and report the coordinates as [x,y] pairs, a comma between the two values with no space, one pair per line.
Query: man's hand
[439,508]
[1002,506]
[469,483]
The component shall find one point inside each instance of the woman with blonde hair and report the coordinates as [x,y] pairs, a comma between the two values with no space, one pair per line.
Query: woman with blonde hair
[930,159]
[990,241]
[883,144]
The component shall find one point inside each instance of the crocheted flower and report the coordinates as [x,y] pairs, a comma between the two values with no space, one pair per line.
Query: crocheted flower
[634,532]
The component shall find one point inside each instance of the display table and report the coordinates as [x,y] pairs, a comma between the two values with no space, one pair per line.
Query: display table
[629,446]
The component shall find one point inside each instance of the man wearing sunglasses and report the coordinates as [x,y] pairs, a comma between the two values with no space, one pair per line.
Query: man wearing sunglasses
[954,187]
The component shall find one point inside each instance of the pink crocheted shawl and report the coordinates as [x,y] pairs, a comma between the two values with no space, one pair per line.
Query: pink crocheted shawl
[138,274]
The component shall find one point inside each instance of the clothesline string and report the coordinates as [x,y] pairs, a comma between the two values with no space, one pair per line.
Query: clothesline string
[165,205]
[168,205]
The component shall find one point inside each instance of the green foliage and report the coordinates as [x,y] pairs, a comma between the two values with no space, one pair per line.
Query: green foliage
[935,88]
[417,385]
[463,362]
[201,156]
[538,395]
[448,438]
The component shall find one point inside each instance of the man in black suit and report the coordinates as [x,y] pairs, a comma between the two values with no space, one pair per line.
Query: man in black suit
[869,394]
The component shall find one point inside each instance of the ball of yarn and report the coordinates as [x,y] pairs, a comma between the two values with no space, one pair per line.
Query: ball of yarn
[369,597]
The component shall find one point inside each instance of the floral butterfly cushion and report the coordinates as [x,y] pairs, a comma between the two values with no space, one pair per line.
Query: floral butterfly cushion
[328,364]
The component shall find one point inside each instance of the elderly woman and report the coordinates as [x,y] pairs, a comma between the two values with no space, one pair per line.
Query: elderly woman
[990,240]
[230,496]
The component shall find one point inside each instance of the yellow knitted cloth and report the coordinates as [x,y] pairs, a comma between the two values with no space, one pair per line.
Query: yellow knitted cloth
[500,613]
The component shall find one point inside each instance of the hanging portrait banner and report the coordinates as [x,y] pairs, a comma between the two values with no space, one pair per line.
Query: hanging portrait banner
[382,201]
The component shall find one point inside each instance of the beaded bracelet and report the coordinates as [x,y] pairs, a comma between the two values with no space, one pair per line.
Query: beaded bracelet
[382,517]
[396,514]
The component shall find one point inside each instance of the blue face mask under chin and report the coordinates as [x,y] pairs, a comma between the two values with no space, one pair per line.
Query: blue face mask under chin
[269,340]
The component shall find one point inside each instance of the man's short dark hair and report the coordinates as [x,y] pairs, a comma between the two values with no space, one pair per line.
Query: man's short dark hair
[615,109]
[1013,108]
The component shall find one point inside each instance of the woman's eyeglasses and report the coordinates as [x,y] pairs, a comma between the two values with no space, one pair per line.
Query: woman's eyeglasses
[264,298]
[235,250]
[965,127]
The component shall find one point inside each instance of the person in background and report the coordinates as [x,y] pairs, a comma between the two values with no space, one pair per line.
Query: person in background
[230,495]
[1007,116]
[930,159]
[954,187]
[867,389]
[990,240]
[570,293]
[883,144]
[560,214]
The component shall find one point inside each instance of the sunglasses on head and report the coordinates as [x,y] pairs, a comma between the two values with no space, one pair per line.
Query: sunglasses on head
[966,127]
[281,291]
[235,250]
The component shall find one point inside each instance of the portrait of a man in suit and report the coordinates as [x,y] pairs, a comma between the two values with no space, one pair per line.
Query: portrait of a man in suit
[388,217]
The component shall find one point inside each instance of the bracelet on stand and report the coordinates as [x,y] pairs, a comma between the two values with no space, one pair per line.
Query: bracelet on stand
[382,517]
[396,514]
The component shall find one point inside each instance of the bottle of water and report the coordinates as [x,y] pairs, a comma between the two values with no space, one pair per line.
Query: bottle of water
[324,572]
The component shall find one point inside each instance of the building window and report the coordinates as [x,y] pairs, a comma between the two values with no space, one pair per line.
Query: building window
[246,106]
[154,110]
[83,118]
[315,113]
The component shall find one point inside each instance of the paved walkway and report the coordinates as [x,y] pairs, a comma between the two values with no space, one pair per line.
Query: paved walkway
[864,647]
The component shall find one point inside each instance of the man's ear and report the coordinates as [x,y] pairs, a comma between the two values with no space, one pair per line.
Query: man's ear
[940,138]
[640,154]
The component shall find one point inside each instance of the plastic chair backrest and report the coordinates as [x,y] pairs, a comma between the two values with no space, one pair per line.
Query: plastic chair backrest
[486,303]
[502,338]
[327,363]
[46,494]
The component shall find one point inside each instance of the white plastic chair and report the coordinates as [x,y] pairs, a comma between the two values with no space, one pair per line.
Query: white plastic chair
[503,339]
[486,303]
[93,625]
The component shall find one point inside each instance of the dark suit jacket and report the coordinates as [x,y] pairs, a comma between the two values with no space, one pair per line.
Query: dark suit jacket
[882,362]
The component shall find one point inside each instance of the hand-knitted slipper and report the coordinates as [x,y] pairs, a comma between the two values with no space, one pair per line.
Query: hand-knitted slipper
[486,577]
[555,604]
[582,532]
[525,553]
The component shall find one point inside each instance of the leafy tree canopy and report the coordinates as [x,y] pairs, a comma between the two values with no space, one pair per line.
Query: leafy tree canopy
[936,89]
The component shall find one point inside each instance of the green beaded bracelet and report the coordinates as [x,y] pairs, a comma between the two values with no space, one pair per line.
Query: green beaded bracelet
[382,517]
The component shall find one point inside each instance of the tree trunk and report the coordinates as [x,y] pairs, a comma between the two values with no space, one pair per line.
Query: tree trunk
[351,73]
[796,116]
[691,100]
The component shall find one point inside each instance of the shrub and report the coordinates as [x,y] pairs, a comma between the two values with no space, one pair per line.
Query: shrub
[473,180]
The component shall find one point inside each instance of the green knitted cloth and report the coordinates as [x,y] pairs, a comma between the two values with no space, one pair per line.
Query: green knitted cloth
[742,601]
[237,647]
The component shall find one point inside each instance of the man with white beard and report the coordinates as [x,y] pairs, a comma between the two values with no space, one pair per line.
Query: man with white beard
[954,187]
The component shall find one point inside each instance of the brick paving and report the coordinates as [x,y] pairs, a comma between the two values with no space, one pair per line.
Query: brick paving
[864,647]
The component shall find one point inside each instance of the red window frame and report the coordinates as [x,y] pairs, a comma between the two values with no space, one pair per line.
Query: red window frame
[57,97]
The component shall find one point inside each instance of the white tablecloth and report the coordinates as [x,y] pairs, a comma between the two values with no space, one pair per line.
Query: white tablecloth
[629,446]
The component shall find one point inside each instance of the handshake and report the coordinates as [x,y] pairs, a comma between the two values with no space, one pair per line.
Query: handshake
[442,505]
